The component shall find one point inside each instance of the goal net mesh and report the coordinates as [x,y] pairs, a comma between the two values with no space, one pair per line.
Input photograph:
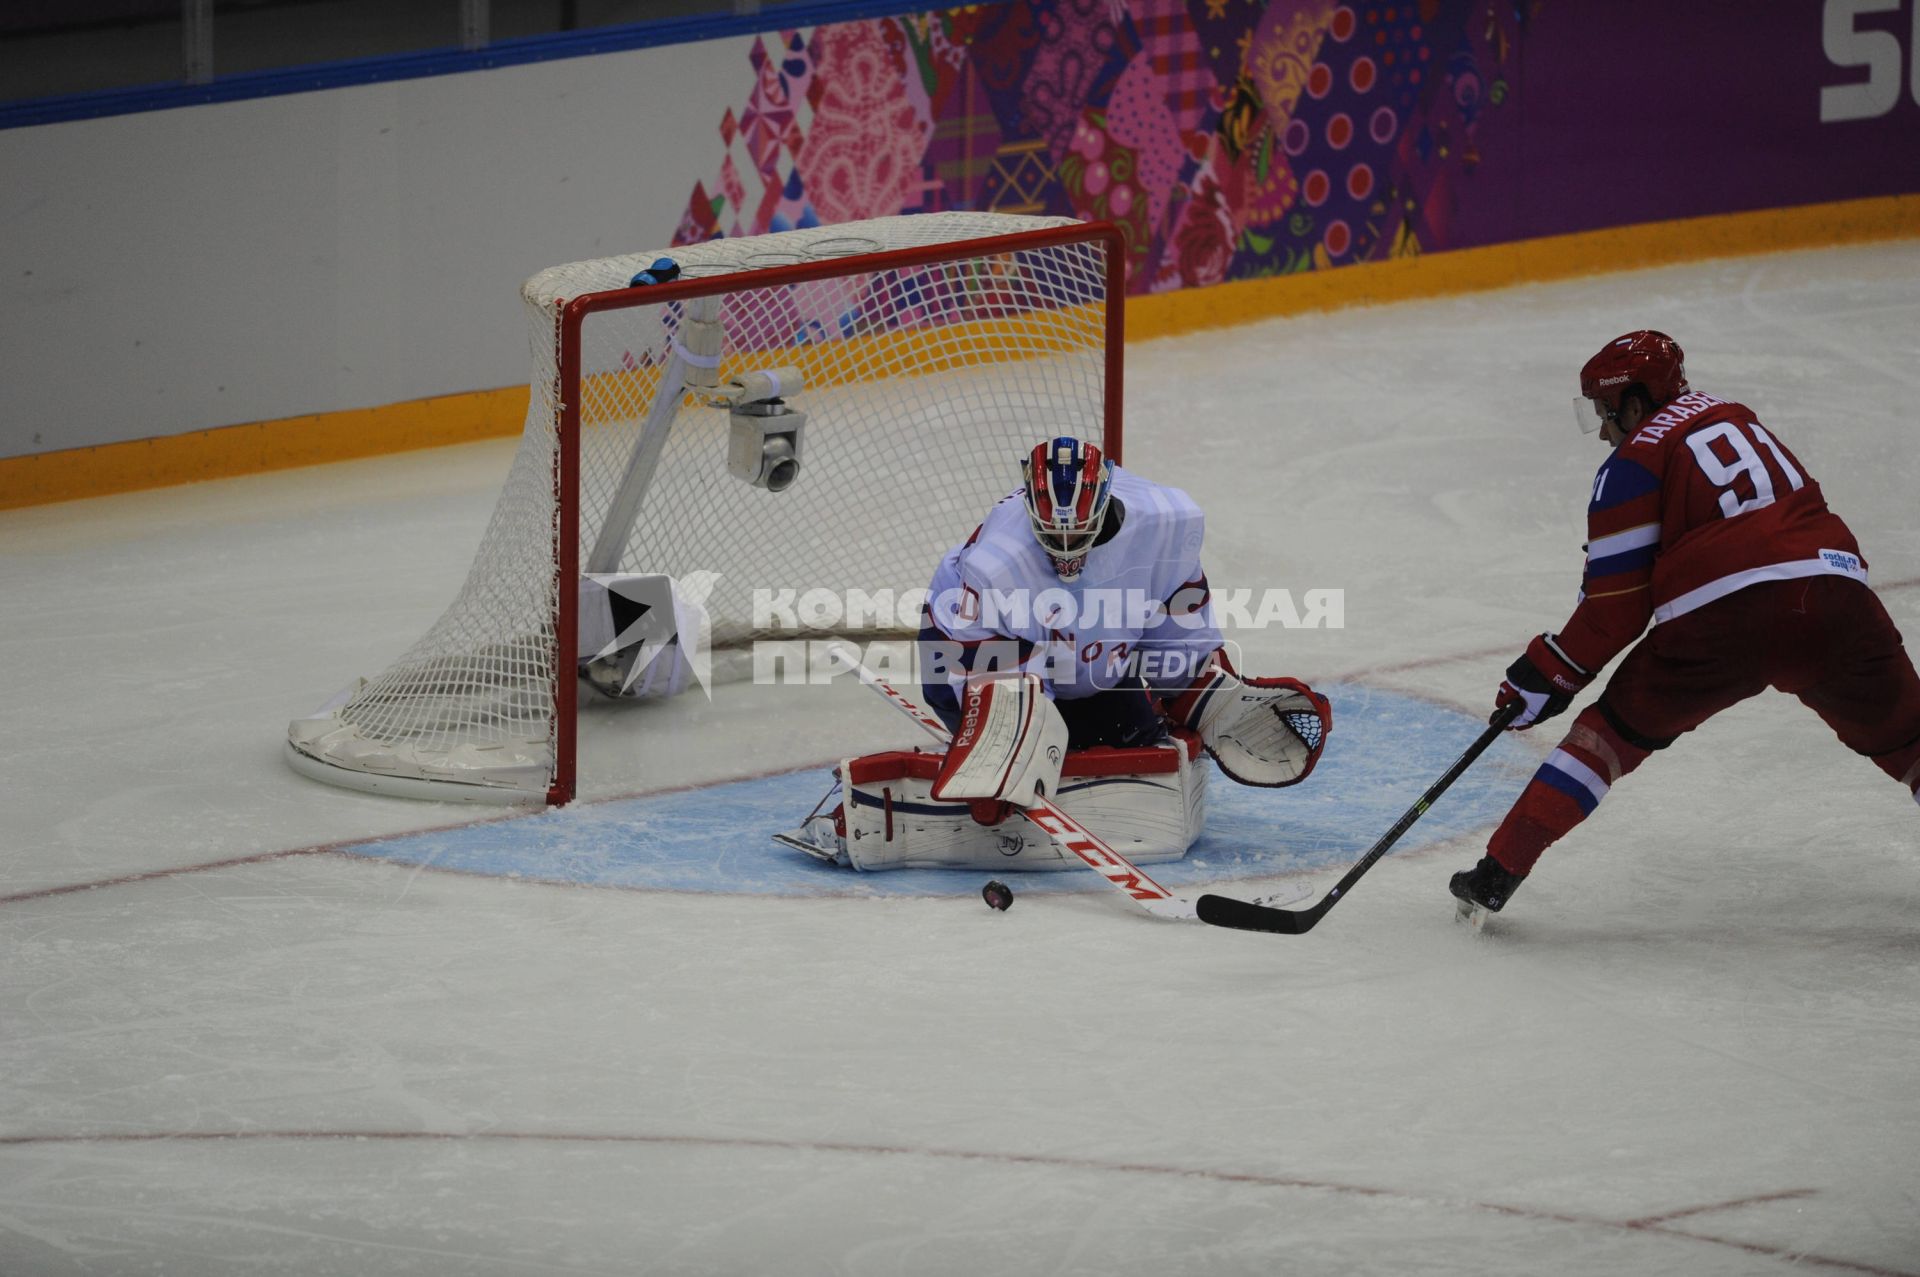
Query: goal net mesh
[924,384]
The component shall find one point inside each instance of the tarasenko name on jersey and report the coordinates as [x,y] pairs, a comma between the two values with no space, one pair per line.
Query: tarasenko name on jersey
[1141,591]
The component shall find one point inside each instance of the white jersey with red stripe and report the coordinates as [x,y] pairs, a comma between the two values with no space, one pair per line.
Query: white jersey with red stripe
[1139,607]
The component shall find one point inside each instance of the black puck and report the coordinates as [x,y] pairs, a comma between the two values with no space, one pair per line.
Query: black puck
[997,894]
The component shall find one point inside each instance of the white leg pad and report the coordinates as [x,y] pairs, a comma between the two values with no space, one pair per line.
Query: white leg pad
[1149,804]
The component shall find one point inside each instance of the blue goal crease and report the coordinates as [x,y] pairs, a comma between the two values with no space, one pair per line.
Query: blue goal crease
[1385,749]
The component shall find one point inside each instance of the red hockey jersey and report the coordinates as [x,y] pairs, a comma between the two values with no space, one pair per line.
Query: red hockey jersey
[1701,501]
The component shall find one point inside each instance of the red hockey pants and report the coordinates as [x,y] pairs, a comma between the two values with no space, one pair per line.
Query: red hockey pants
[1825,639]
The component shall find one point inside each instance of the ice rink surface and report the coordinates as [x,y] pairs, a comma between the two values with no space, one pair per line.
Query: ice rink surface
[1692,1044]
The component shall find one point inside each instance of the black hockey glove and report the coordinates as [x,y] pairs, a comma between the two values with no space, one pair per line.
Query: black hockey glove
[1544,679]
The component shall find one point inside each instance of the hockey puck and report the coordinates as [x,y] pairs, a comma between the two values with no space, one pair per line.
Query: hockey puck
[997,894]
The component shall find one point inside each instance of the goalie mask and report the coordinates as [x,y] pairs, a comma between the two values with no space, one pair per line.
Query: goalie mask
[1068,486]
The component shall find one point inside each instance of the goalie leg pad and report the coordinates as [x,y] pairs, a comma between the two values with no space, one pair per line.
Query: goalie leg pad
[1150,804]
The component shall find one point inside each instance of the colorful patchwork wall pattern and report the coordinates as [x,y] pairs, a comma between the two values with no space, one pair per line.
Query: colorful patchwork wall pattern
[1231,139]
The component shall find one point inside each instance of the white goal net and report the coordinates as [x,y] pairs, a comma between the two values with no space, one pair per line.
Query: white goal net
[932,352]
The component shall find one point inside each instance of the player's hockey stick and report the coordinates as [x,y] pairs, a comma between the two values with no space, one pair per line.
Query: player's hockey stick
[1223,911]
[1067,833]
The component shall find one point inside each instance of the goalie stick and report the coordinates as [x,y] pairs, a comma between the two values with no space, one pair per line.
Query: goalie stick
[1066,832]
[1223,911]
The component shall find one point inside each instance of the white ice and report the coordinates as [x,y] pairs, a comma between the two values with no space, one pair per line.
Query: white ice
[1692,1044]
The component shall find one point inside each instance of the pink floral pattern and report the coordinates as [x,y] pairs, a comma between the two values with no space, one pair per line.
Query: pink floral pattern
[1104,182]
[862,155]
[1203,241]
[1227,138]
[1201,245]
[1140,119]
[1077,37]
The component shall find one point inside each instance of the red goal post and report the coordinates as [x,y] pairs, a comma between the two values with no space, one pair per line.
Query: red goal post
[931,351]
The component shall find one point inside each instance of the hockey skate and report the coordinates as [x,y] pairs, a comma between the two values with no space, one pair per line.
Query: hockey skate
[823,834]
[1483,890]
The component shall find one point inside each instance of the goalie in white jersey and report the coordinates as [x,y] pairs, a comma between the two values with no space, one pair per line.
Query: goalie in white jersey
[1089,577]
[1070,645]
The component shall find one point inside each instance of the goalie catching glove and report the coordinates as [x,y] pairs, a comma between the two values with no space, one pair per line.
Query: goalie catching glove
[1261,731]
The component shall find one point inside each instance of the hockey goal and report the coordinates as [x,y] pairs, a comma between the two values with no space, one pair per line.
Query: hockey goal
[931,352]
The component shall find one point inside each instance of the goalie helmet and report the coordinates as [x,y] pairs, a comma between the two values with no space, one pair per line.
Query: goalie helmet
[1648,359]
[1068,486]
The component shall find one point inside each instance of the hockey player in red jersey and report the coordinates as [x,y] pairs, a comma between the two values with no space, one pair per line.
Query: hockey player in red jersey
[1706,525]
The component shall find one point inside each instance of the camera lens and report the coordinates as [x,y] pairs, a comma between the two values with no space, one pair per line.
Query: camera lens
[779,464]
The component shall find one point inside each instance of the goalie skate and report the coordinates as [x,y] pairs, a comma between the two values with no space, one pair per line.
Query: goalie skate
[818,838]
